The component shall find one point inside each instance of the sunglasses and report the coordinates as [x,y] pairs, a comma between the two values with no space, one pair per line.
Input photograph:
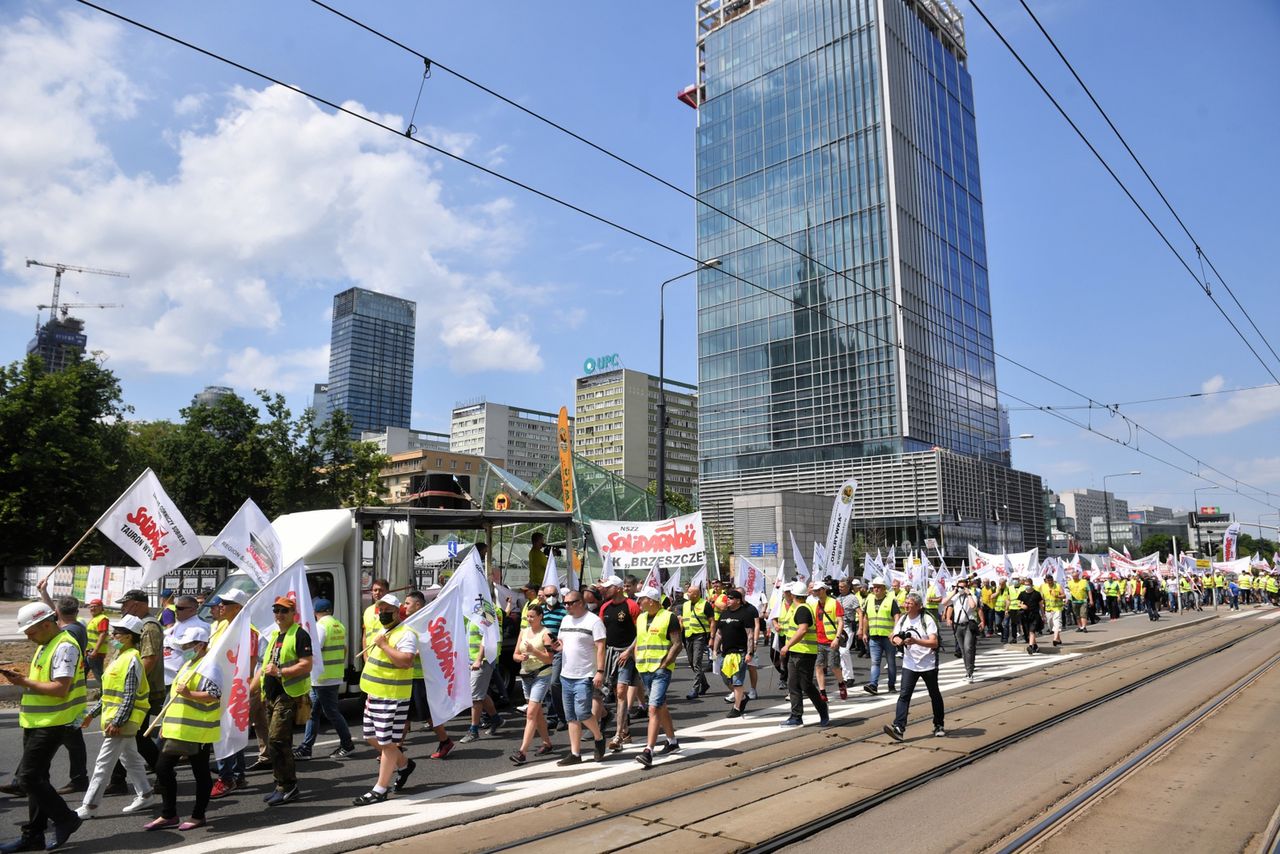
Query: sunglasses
[573,601]
[280,609]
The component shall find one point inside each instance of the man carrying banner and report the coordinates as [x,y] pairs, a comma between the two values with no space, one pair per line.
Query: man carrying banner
[53,695]
[231,771]
[656,648]
[369,625]
[387,681]
[419,704]
[283,678]
[697,622]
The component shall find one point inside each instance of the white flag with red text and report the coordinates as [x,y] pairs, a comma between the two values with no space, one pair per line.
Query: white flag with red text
[146,524]
[250,542]
[443,650]
[291,584]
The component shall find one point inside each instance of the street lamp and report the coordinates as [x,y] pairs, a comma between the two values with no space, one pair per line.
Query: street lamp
[1106,497]
[662,382]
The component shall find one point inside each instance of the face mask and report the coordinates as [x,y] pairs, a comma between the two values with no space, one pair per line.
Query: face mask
[115,644]
[552,601]
[386,617]
[189,654]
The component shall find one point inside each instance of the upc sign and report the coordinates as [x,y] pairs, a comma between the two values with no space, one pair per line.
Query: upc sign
[601,363]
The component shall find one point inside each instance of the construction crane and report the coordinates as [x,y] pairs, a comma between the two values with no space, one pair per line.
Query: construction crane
[65,308]
[60,268]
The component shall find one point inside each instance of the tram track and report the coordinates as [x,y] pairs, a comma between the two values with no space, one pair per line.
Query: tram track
[863,805]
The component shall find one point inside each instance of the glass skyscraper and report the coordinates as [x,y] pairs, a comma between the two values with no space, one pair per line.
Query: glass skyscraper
[845,129]
[371,359]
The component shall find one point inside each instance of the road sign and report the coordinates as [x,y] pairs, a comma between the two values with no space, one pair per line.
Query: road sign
[931,543]
[453,548]
[757,549]
[771,549]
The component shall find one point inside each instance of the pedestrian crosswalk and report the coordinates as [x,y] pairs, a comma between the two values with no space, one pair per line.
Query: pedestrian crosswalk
[541,782]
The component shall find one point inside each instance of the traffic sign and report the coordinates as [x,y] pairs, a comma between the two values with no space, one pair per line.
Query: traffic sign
[757,549]
[453,548]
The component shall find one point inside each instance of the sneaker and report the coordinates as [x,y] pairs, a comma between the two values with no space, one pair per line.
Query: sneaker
[619,741]
[599,746]
[273,797]
[221,788]
[893,732]
[343,752]
[692,695]
[141,802]
[562,726]
[24,843]
[517,757]
[522,710]
[823,695]
[442,749]
[571,759]
[893,688]
[1029,649]
[285,797]
[751,695]
[402,776]
[669,747]
[735,712]
[939,732]
[826,723]
[791,722]
[870,688]
[728,698]
[645,757]
[299,753]
[472,735]
[85,812]
[369,797]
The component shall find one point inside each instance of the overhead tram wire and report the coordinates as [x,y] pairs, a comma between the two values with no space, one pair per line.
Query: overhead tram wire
[1124,187]
[921,316]
[1152,181]
[657,243]
[1164,399]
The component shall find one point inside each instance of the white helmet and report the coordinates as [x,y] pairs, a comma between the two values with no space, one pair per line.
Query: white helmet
[32,613]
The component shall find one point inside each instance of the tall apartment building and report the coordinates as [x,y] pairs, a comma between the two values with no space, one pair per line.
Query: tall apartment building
[371,359]
[616,427]
[398,440]
[845,132]
[524,438]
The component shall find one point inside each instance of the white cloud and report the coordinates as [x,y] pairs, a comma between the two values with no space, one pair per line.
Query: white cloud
[294,370]
[268,192]
[1213,385]
[1221,413]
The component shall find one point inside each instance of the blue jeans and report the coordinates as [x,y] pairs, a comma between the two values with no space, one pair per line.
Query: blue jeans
[324,706]
[880,646]
[577,698]
[656,683]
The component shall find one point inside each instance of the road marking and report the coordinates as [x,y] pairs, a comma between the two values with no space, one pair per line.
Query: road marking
[1272,616]
[1241,615]
[412,812]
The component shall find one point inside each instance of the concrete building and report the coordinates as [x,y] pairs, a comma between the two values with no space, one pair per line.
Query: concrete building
[371,359]
[524,438]
[763,523]
[211,394]
[616,427]
[397,440]
[59,342]
[412,477]
[1085,505]
[846,132]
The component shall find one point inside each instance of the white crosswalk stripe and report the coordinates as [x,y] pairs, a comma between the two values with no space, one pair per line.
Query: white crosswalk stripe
[544,780]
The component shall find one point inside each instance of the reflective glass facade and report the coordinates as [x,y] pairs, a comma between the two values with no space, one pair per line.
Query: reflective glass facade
[846,130]
[371,359]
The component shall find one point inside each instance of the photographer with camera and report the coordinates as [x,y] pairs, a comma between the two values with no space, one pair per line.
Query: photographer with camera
[916,634]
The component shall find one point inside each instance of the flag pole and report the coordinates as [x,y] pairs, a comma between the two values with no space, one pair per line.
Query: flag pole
[95,525]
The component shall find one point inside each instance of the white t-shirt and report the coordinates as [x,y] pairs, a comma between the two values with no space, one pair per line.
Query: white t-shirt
[914,657]
[579,636]
[65,660]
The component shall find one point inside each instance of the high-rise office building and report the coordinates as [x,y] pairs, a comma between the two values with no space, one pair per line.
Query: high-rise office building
[59,342]
[211,394]
[616,427]
[525,439]
[846,131]
[371,359]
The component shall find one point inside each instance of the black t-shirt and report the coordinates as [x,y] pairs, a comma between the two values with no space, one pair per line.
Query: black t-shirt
[619,623]
[1031,598]
[736,626]
[272,685]
[802,615]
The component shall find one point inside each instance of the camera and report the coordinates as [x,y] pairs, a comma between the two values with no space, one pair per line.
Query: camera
[904,634]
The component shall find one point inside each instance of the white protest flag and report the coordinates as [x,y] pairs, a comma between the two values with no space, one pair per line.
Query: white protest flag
[443,650]
[699,579]
[291,584]
[504,596]
[145,523]
[653,579]
[871,567]
[250,542]
[837,573]
[838,527]
[551,577]
[890,560]
[750,578]
[477,604]
[802,568]
[1229,540]
[573,576]
[673,584]
[819,560]
[606,567]
[230,657]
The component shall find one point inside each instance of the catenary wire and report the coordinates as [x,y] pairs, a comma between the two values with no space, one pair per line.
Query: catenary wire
[1092,403]
[1164,399]
[659,244]
[1146,174]
[1124,187]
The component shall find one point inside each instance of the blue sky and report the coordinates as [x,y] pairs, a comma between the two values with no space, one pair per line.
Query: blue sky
[240,208]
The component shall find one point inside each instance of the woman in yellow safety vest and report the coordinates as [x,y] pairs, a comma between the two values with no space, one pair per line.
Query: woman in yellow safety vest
[190,727]
[123,705]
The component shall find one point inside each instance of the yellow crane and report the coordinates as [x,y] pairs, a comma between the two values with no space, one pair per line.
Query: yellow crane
[58,269]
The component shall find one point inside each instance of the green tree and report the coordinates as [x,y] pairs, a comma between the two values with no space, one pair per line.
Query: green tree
[215,459]
[1162,543]
[62,443]
[677,504]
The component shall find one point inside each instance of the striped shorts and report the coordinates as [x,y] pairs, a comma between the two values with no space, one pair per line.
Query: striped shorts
[384,720]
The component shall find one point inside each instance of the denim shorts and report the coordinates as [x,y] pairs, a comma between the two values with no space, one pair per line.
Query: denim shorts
[656,683]
[536,687]
[738,679]
[576,694]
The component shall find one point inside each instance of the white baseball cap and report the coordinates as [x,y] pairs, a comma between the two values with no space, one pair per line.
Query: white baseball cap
[611,581]
[124,621]
[389,599]
[799,588]
[191,634]
[234,596]
[650,593]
